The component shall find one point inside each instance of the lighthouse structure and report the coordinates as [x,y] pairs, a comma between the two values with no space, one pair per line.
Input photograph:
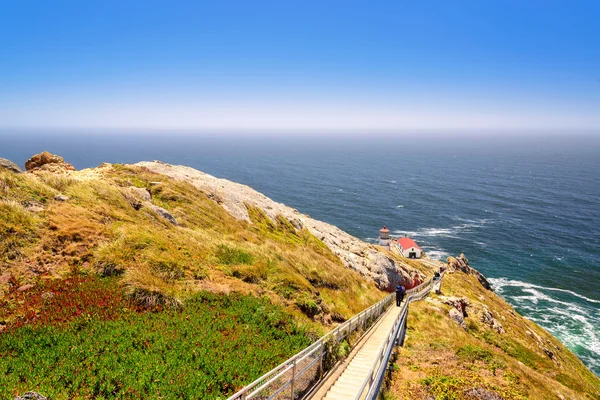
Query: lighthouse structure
[384,237]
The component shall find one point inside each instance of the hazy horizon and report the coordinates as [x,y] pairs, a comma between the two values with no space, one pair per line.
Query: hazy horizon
[93,147]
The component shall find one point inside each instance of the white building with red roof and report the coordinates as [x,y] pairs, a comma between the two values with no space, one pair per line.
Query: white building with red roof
[409,248]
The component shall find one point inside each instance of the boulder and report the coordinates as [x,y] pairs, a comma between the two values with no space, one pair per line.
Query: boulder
[163,213]
[459,303]
[141,193]
[48,162]
[497,326]
[9,165]
[487,318]
[457,317]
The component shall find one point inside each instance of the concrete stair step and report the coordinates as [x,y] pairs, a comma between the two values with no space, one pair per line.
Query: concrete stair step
[348,391]
[338,396]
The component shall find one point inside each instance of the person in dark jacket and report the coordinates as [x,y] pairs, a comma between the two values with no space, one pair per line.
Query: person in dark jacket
[399,295]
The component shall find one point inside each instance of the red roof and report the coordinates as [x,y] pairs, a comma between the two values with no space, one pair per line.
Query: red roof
[407,243]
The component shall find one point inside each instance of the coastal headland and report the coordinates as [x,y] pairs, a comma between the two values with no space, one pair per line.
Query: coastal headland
[153,279]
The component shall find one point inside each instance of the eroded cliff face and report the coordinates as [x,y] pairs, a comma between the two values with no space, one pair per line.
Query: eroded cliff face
[354,253]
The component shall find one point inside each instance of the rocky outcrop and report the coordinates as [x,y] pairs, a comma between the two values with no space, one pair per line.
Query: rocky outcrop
[461,263]
[462,303]
[459,303]
[235,197]
[545,345]
[9,165]
[48,162]
[457,317]
[488,318]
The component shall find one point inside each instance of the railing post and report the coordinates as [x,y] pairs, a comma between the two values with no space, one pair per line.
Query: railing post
[321,359]
[293,379]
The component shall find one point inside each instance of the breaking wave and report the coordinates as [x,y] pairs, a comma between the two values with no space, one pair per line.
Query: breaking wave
[451,232]
[500,283]
[437,254]
[575,323]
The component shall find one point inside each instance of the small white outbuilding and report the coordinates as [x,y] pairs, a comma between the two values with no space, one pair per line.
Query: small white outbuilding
[409,248]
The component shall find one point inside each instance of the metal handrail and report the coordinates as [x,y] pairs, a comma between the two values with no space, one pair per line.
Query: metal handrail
[254,389]
[377,371]
[338,334]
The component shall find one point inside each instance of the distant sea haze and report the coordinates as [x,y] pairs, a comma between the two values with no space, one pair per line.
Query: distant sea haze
[525,212]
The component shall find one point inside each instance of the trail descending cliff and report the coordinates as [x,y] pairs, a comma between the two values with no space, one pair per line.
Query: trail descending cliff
[155,280]
[468,343]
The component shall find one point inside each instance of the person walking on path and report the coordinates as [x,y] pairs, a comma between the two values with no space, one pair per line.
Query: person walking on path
[399,295]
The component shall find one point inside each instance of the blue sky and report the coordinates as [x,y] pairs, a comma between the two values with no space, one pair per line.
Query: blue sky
[300,64]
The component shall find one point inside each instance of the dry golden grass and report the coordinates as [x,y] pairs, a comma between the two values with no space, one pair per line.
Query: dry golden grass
[161,265]
[98,230]
[443,360]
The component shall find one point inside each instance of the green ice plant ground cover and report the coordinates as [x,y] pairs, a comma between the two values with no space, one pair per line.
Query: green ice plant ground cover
[212,347]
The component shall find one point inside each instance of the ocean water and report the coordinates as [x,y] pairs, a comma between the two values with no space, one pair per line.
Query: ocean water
[525,211]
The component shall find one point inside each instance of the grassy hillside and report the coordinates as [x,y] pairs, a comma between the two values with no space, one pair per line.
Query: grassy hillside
[137,285]
[442,360]
[94,275]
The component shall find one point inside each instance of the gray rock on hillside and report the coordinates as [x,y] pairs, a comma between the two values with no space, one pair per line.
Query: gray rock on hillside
[163,213]
[488,318]
[457,317]
[141,193]
[9,165]
[233,197]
